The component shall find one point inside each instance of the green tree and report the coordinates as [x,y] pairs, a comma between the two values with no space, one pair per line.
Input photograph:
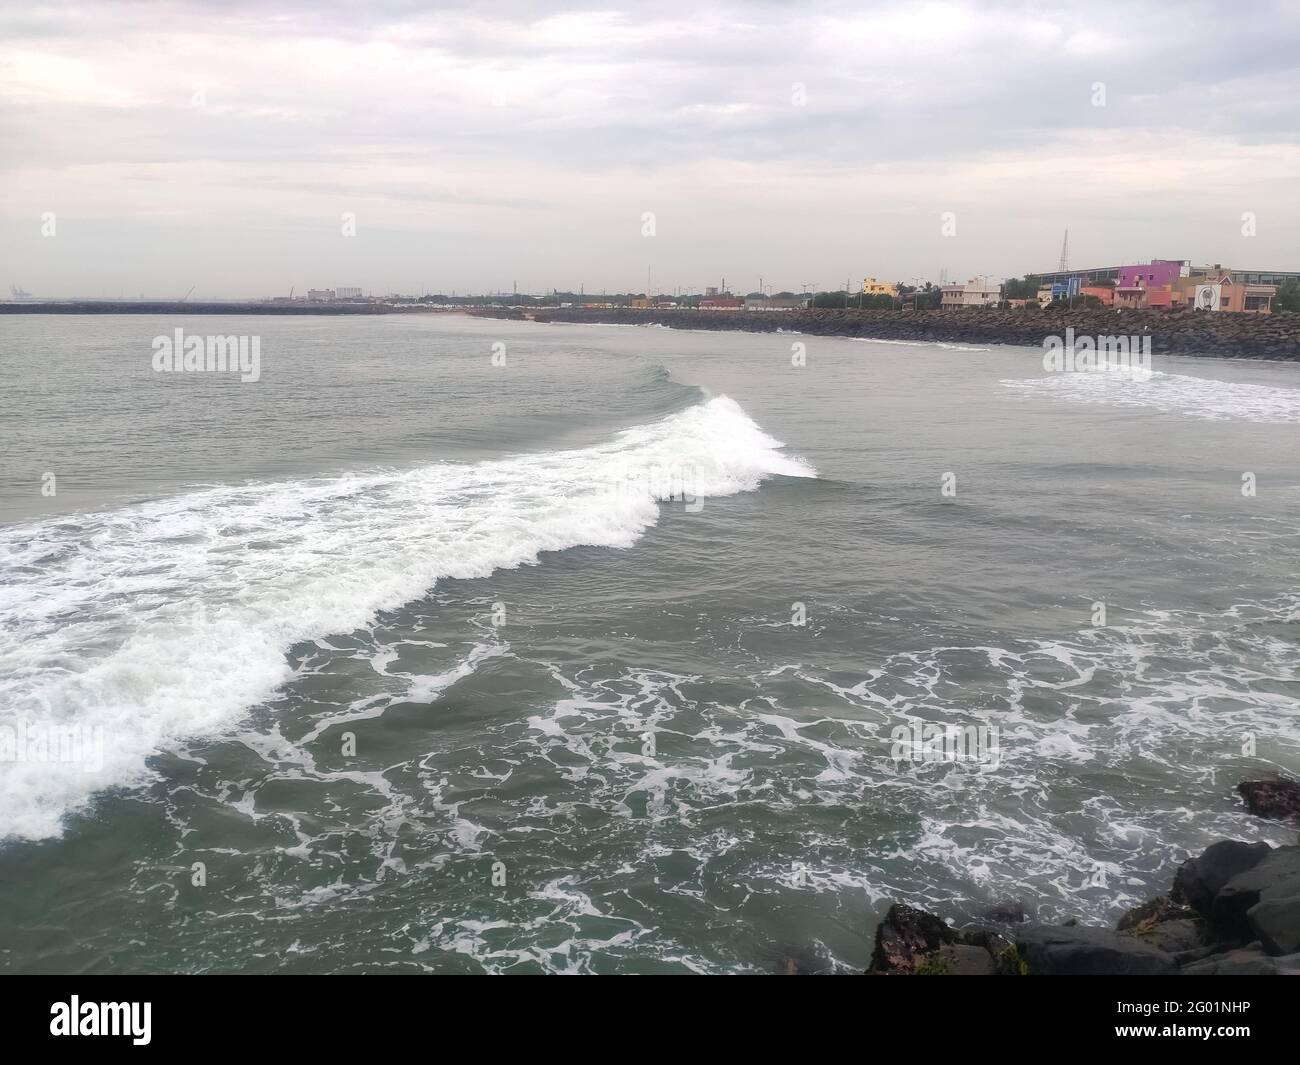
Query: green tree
[929,299]
[831,300]
[1288,296]
[1020,289]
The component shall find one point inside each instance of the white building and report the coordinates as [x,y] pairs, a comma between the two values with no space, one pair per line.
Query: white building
[977,292]
[348,293]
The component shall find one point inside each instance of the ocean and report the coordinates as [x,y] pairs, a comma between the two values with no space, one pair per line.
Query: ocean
[461,645]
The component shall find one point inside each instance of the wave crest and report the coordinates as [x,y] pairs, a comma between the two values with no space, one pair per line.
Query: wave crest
[168,619]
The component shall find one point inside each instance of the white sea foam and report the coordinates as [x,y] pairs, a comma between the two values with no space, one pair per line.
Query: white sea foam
[1197,397]
[169,619]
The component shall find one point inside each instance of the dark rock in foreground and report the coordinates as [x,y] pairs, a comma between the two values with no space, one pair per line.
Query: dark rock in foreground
[1278,799]
[1082,951]
[1199,880]
[1245,961]
[906,937]
[1234,910]
[1238,907]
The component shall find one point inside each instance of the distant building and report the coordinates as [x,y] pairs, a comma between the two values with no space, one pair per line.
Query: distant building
[774,303]
[1072,287]
[722,303]
[1112,273]
[323,295]
[872,287]
[1067,288]
[1088,277]
[642,304]
[1224,290]
[348,293]
[1149,284]
[977,292]
[1155,274]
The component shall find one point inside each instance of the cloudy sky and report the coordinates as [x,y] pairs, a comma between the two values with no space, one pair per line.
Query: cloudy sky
[219,145]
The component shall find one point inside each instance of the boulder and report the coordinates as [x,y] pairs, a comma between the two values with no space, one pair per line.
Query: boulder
[905,938]
[1276,923]
[957,959]
[1175,937]
[1278,798]
[1081,951]
[1275,876]
[991,940]
[1244,961]
[1199,880]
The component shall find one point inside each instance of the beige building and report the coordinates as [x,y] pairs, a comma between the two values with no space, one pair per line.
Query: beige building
[977,292]
[1226,290]
[872,287]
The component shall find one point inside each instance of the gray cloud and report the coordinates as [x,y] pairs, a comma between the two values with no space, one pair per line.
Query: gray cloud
[526,145]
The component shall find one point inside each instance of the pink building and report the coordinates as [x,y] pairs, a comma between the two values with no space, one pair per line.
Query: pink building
[1148,284]
[1158,273]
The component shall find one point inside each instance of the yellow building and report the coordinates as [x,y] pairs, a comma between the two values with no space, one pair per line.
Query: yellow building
[872,287]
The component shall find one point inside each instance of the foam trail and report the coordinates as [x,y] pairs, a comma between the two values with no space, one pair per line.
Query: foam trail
[146,625]
[1171,393]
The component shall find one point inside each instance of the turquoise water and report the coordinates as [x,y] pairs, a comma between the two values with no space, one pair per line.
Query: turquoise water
[593,661]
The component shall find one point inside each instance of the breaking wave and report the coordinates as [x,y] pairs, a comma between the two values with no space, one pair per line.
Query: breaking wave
[143,626]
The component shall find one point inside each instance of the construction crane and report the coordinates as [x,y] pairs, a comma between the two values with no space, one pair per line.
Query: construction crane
[188,294]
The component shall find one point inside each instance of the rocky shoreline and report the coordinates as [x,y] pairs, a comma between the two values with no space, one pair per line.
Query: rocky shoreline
[1275,336]
[256,307]
[1234,910]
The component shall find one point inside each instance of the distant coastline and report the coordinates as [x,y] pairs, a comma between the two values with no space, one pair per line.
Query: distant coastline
[198,307]
[1252,336]
[1271,336]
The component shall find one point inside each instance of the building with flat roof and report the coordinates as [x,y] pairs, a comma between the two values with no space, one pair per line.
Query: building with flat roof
[1222,291]
[1249,277]
[977,292]
[1097,273]
[1111,273]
